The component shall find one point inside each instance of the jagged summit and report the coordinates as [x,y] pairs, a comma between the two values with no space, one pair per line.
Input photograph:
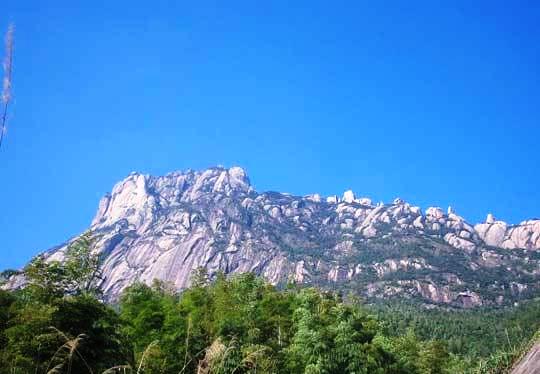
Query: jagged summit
[138,195]
[166,226]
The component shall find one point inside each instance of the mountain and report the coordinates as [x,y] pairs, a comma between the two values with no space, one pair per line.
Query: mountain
[165,227]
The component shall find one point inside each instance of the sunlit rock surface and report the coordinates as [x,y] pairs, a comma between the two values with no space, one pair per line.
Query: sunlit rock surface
[165,227]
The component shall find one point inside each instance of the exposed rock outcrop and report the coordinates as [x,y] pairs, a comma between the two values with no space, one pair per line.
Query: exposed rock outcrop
[165,227]
[525,235]
[530,362]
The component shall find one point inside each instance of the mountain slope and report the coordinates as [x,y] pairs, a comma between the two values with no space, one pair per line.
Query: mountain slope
[164,227]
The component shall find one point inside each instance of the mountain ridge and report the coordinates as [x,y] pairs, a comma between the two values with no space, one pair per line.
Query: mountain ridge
[164,227]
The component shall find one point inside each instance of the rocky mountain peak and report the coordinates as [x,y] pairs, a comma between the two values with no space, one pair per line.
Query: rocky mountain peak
[164,227]
[399,201]
[348,196]
[332,199]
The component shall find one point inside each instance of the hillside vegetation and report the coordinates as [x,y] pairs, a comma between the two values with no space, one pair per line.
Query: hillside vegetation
[57,324]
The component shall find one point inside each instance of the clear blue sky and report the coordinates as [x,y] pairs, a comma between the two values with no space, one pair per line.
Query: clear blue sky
[437,104]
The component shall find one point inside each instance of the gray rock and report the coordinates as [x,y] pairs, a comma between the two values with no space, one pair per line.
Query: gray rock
[165,227]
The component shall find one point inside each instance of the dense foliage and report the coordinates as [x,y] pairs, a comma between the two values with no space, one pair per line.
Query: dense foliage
[58,324]
[476,332]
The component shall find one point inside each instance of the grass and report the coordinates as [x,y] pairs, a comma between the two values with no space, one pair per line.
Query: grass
[7,80]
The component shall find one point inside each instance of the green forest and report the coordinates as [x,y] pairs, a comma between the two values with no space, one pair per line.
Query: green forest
[58,323]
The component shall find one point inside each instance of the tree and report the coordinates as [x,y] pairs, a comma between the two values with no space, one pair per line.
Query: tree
[79,273]
[333,337]
[83,266]
[103,345]
[236,324]
[6,301]
[74,331]
[46,280]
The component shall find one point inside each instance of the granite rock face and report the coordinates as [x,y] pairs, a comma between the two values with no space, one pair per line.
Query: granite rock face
[165,227]
[500,234]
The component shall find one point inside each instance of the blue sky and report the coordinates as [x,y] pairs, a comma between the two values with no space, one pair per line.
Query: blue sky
[434,102]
